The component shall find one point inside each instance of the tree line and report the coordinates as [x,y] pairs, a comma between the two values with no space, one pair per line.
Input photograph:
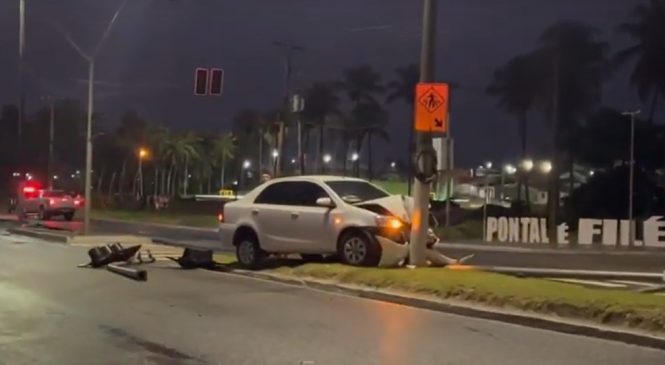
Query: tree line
[563,78]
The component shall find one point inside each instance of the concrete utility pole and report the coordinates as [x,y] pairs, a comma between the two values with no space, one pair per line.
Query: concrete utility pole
[21,91]
[631,177]
[51,136]
[421,191]
[90,58]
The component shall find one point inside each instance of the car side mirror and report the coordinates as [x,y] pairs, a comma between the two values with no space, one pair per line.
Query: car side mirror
[325,202]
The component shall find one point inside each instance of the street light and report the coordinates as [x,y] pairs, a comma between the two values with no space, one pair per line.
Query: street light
[545,167]
[91,58]
[393,164]
[631,176]
[355,156]
[488,165]
[527,165]
[275,155]
[327,158]
[246,164]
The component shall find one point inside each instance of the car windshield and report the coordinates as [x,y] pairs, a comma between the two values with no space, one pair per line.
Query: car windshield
[356,191]
[54,194]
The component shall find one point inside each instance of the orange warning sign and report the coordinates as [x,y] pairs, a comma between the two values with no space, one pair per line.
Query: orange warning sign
[431,107]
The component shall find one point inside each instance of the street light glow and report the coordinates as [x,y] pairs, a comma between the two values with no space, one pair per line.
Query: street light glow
[545,167]
[246,164]
[527,165]
[327,158]
[488,164]
[143,153]
[275,153]
[355,156]
[293,161]
[509,169]
[393,164]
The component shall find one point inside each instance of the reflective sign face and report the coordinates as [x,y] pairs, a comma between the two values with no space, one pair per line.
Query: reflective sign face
[431,107]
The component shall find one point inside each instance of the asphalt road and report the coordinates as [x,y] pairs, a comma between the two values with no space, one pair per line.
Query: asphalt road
[486,255]
[54,313]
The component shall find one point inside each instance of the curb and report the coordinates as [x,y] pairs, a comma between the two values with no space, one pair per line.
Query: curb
[47,236]
[189,228]
[491,247]
[631,338]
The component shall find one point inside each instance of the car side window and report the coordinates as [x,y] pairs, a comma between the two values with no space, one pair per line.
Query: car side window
[296,193]
[306,193]
[272,194]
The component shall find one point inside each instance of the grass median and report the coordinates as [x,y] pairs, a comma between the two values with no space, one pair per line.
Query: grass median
[192,220]
[610,307]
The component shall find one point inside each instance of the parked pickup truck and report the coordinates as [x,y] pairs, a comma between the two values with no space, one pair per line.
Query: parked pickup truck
[49,203]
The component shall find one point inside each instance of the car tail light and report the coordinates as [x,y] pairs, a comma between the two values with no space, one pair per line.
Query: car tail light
[77,202]
[51,201]
[220,217]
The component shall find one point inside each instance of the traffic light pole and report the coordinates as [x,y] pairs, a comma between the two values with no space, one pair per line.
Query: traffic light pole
[421,191]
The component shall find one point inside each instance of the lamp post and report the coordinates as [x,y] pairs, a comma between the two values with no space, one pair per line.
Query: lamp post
[143,154]
[631,177]
[91,58]
[275,156]
[245,166]
[327,158]
[355,156]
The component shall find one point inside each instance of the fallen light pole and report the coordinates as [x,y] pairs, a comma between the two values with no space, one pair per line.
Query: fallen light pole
[127,271]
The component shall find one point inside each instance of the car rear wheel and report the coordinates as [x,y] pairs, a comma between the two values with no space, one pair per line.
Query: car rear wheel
[357,249]
[249,254]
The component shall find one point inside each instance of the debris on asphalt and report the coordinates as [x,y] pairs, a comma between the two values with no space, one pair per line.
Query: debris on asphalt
[104,255]
[128,271]
[193,258]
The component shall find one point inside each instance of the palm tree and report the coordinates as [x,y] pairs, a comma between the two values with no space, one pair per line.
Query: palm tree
[362,84]
[179,151]
[403,88]
[322,103]
[516,85]
[156,138]
[647,28]
[574,68]
[223,149]
[368,118]
[250,128]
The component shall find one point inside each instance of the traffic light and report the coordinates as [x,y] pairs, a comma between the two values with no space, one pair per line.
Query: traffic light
[216,81]
[201,82]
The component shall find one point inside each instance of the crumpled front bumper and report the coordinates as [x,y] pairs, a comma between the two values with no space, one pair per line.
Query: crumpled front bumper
[395,253]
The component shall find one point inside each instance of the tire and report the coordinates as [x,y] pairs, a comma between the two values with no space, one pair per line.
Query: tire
[356,248]
[312,257]
[249,253]
[68,216]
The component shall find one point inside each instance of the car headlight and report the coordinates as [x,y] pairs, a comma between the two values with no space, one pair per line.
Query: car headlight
[385,221]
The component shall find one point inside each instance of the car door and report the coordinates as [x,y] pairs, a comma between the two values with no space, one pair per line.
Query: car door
[312,229]
[268,213]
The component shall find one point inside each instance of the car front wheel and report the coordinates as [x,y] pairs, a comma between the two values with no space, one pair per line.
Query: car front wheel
[249,254]
[357,249]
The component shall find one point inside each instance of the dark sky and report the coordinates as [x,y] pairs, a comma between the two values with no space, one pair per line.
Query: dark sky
[148,62]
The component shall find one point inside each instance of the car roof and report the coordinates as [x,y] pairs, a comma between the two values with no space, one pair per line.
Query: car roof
[317,178]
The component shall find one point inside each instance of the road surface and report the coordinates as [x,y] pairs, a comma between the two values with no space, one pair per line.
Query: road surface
[55,313]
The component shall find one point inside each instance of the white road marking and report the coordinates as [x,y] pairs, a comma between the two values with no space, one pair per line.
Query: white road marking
[603,284]
[633,283]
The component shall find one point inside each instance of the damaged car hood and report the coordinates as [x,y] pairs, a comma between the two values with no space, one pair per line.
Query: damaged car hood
[399,206]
